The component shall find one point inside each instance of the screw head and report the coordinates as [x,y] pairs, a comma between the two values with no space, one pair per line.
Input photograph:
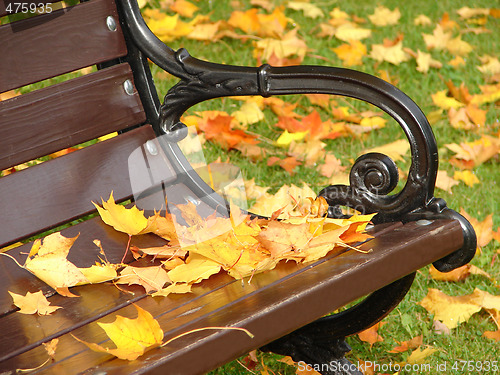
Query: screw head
[128,87]
[111,23]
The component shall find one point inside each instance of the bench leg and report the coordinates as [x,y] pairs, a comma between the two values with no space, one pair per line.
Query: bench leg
[321,344]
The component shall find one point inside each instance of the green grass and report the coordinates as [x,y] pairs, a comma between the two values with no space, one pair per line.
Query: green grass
[408,319]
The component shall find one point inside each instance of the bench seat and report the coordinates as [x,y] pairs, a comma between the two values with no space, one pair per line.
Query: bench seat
[292,294]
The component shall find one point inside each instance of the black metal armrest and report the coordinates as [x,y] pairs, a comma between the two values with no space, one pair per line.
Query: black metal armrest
[373,176]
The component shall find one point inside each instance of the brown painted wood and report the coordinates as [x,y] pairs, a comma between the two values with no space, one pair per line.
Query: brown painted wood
[59,42]
[273,304]
[62,189]
[63,115]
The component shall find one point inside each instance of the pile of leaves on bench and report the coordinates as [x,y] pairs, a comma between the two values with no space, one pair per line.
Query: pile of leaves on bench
[195,249]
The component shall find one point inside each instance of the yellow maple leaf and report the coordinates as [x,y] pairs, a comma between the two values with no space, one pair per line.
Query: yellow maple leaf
[466,12]
[99,273]
[196,269]
[132,337]
[450,310]
[422,20]
[350,31]
[47,261]
[418,355]
[166,27]
[287,46]
[458,47]
[351,53]
[184,8]
[491,65]
[474,153]
[490,94]
[249,113]
[445,102]
[395,150]
[466,176]
[33,303]
[151,278]
[445,182]
[393,54]
[205,31]
[438,39]
[286,138]
[310,10]
[483,229]
[384,16]
[425,61]
[128,220]
[177,288]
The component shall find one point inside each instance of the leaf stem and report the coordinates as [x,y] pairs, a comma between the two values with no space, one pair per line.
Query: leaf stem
[207,328]
[126,250]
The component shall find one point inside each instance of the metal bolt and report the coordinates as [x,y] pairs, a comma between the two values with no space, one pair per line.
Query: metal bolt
[129,88]
[151,147]
[111,23]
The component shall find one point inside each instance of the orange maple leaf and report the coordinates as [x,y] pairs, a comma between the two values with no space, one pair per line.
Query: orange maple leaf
[370,335]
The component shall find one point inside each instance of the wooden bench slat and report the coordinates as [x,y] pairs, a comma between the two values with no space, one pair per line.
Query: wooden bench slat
[60,190]
[59,42]
[272,305]
[88,106]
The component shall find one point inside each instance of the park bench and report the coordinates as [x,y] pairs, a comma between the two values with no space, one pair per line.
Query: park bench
[282,308]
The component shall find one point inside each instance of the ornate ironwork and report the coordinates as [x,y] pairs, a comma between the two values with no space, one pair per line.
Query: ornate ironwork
[373,177]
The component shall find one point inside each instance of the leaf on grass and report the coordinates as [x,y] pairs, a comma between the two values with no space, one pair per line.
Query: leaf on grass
[132,337]
[184,8]
[419,355]
[349,31]
[370,335]
[33,303]
[471,154]
[443,101]
[408,345]
[395,150]
[455,310]
[467,177]
[351,53]
[384,16]
[445,182]
[310,10]
[393,54]
[491,65]
[483,229]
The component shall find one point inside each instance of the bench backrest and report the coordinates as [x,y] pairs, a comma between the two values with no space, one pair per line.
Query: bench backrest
[65,114]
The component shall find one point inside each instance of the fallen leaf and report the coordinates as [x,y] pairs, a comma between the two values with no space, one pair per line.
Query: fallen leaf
[443,101]
[51,347]
[128,220]
[483,229]
[466,12]
[180,288]
[407,345]
[395,150]
[47,261]
[458,47]
[349,31]
[249,113]
[33,303]
[151,278]
[422,20]
[438,39]
[370,335]
[393,54]
[445,182]
[467,177]
[458,274]
[455,310]
[310,10]
[351,53]
[184,8]
[471,154]
[418,355]
[132,337]
[384,16]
